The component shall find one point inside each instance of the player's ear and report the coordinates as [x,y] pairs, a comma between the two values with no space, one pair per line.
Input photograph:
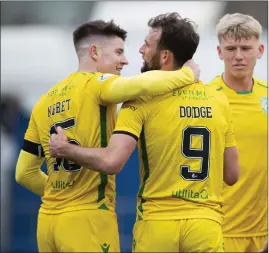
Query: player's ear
[261,51]
[164,57]
[219,52]
[93,51]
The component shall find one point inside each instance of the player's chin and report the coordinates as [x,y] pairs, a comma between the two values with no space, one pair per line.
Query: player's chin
[118,72]
[144,68]
[240,73]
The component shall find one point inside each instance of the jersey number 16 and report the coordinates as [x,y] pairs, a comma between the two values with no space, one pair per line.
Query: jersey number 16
[64,163]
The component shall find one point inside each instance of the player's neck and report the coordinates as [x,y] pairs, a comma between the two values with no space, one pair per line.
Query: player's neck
[243,84]
[86,68]
[167,68]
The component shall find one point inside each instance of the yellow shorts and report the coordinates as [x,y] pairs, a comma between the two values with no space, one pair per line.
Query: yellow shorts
[244,244]
[193,235]
[78,231]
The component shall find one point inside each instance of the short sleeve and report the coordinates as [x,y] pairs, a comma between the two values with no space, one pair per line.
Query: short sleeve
[132,117]
[32,132]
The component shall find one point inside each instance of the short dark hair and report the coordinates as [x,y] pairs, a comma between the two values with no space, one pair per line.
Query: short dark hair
[178,36]
[98,27]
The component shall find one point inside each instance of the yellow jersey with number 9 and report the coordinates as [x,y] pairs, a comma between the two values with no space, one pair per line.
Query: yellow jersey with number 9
[75,105]
[182,140]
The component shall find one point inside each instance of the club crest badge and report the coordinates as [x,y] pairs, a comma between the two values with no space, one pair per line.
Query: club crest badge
[264,104]
[102,78]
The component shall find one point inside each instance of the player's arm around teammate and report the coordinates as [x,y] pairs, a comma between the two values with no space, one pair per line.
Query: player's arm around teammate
[149,83]
[160,143]
[107,158]
[111,159]
[77,104]
[28,172]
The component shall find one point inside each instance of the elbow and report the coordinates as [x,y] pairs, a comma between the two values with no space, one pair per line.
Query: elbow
[19,178]
[112,167]
[232,178]
[236,176]
[231,166]
[231,181]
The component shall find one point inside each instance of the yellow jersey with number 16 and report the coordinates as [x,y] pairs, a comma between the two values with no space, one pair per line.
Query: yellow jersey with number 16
[75,105]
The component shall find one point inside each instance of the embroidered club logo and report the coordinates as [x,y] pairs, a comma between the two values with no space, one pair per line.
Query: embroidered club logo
[264,104]
[104,77]
[105,247]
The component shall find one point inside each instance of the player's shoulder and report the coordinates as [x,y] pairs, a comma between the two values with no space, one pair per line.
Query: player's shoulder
[67,84]
[260,89]
[76,80]
[260,83]
[141,101]
[216,83]
[57,90]
[102,81]
[38,105]
[101,78]
[136,105]
[214,93]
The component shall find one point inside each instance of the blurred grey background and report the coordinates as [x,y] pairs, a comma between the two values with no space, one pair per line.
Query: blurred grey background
[37,52]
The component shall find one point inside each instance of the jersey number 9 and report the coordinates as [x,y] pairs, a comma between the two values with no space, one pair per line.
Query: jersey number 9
[190,153]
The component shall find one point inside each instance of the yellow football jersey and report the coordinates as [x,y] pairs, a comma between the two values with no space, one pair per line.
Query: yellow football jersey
[246,203]
[182,140]
[75,105]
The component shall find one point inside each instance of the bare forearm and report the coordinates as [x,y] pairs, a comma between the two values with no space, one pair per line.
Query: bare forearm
[109,160]
[92,158]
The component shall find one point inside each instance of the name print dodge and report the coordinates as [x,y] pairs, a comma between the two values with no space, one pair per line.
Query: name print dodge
[195,112]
